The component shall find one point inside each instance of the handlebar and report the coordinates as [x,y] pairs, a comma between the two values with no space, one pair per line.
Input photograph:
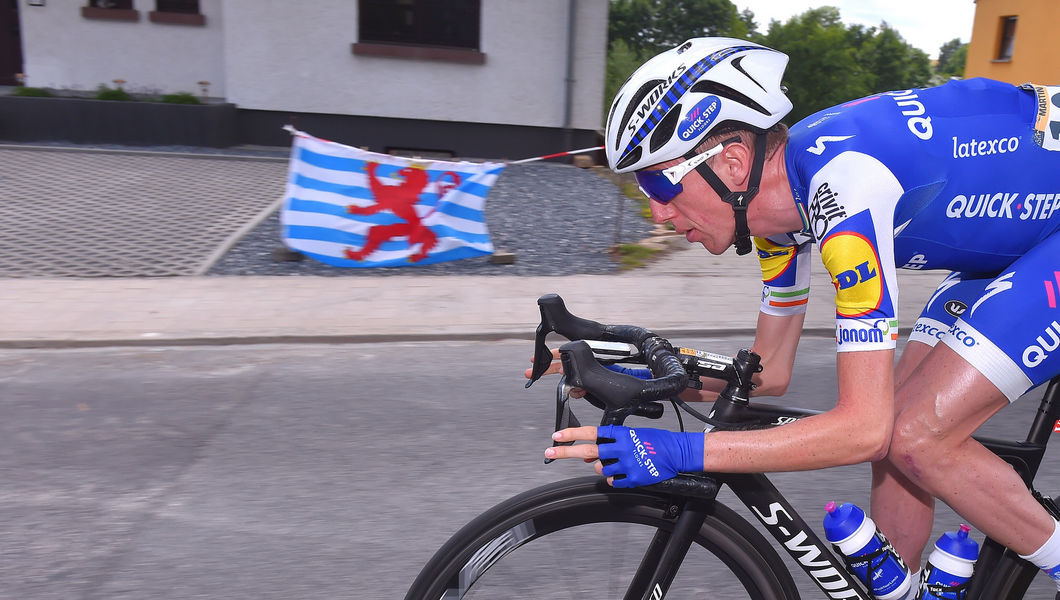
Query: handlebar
[618,394]
[556,318]
[621,395]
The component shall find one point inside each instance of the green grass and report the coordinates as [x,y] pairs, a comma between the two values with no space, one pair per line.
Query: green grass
[631,256]
[31,92]
[106,93]
[181,98]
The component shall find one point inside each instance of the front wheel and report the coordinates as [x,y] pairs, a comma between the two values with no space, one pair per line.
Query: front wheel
[581,538]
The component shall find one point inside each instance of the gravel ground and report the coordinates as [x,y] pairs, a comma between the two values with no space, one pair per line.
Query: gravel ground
[556,219]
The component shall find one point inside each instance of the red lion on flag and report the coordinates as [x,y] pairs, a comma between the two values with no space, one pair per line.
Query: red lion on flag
[400,199]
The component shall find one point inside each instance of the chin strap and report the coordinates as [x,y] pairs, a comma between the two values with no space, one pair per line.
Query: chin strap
[738,200]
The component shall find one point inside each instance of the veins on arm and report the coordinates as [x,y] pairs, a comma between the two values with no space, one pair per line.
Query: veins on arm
[857,430]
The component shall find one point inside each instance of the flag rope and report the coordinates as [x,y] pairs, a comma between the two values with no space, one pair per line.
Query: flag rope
[558,154]
[290,129]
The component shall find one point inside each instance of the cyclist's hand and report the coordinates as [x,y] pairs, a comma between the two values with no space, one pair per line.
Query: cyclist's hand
[634,457]
[555,367]
[643,456]
[586,452]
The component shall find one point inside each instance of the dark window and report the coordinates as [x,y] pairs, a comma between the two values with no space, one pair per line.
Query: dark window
[120,4]
[10,46]
[446,23]
[1008,38]
[190,7]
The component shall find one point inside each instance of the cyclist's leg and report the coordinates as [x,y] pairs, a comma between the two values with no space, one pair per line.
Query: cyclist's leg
[904,511]
[983,363]
[932,446]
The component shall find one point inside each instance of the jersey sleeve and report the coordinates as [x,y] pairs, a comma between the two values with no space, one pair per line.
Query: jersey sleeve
[852,212]
[785,275]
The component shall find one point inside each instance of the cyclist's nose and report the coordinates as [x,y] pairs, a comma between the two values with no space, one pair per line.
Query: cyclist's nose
[661,213]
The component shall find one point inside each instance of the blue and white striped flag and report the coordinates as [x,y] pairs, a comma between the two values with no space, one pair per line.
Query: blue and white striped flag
[353,208]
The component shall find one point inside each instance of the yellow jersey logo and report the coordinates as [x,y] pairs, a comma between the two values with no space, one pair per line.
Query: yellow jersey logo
[855,269]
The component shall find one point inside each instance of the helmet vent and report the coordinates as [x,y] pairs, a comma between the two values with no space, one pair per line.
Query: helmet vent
[737,63]
[634,103]
[713,87]
[611,114]
[664,131]
[630,158]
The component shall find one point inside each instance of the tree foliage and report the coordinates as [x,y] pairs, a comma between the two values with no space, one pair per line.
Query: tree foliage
[640,29]
[651,26]
[823,66]
[830,63]
[621,62]
[952,57]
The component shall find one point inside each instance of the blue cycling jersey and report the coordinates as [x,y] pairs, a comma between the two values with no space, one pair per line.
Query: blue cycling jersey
[963,177]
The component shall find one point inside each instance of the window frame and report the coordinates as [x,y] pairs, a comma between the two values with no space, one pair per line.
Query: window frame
[128,4]
[1006,39]
[196,4]
[171,17]
[411,43]
[89,11]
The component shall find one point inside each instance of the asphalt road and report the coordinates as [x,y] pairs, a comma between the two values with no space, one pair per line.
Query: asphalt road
[307,471]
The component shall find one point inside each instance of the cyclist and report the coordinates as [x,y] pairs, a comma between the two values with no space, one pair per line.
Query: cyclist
[964,178]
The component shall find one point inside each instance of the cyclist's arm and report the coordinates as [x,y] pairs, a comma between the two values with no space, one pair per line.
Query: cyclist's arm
[776,339]
[856,243]
[785,264]
[858,429]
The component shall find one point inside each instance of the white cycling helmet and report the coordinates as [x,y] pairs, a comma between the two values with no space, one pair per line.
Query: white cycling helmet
[679,97]
[682,96]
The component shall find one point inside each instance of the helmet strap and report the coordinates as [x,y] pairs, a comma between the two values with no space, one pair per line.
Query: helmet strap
[738,200]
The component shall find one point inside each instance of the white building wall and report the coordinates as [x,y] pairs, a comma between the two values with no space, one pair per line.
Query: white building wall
[288,56]
[281,55]
[64,50]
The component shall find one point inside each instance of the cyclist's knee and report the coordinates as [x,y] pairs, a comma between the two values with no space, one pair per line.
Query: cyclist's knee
[919,444]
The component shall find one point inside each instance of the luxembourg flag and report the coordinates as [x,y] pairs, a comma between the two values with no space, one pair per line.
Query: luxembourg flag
[352,208]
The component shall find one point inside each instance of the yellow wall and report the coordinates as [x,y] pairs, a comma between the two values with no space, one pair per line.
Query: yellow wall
[1036,52]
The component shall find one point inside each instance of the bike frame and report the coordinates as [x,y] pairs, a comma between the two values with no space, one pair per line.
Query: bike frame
[692,494]
[814,555]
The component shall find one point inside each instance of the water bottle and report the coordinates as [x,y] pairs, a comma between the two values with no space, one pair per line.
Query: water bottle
[869,555]
[949,566]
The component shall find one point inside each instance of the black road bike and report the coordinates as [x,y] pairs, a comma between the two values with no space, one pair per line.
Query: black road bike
[521,548]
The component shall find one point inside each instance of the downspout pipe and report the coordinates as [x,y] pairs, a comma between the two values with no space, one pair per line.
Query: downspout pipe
[568,92]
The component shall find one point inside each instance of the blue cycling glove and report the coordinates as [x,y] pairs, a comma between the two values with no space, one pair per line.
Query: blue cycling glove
[636,457]
[638,373]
